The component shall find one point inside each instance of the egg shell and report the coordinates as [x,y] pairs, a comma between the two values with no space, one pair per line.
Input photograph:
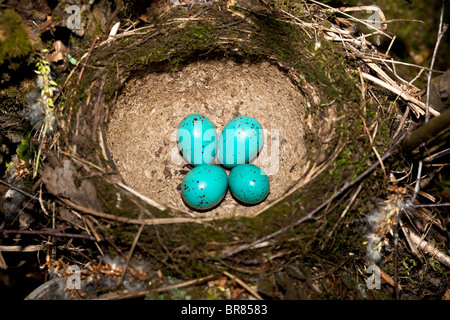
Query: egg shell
[240,141]
[249,183]
[204,186]
[197,139]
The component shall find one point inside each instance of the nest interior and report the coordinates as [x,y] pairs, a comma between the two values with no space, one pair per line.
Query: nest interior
[141,131]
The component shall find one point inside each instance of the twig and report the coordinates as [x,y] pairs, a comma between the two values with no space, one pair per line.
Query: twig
[402,20]
[232,23]
[408,238]
[76,158]
[19,190]
[89,224]
[437,155]
[368,9]
[349,16]
[394,61]
[396,284]
[51,233]
[350,203]
[373,146]
[41,202]
[402,122]
[393,150]
[389,280]
[143,293]
[421,193]
[427,248]
[130,254]
[243,285]
[416,104]
[196,15]
[155,221]
[30,248]
[87,57]
[142,197]
[432,205]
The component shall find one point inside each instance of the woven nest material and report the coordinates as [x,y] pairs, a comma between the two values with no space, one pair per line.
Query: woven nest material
[142,130]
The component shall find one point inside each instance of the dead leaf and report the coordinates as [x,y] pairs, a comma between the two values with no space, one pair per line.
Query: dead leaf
[60,182]
[236,292]
[58,56]
[25,220]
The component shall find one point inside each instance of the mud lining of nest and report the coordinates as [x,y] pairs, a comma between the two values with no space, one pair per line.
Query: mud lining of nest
[142,128]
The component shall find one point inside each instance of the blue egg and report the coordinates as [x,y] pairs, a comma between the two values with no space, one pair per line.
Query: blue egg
[197,139]
[240,141]
[204,186]
[249,183]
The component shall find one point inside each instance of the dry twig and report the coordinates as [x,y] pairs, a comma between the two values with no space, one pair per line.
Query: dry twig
[51,233]
[143,293]
[155,221]
[19,190]
[87,57]
[243,285]
[130,254]
[418,243]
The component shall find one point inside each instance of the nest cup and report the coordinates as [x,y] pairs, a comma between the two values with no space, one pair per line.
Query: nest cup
[142,128]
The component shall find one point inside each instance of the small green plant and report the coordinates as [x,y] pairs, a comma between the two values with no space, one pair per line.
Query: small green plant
[9,165]
[409,264]
[48,88]
[23,150]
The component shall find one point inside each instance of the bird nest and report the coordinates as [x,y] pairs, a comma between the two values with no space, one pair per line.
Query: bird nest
[142,99]
[115,154]
[222,63]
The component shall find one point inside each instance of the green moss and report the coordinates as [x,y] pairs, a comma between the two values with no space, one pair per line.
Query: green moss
[112,201]
[324,67]
[14,40]
[196,37]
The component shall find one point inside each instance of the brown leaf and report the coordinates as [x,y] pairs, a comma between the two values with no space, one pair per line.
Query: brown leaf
[60,182]
[25,220]
[58,56]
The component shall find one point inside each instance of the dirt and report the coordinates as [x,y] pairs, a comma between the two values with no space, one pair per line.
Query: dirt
[142,129]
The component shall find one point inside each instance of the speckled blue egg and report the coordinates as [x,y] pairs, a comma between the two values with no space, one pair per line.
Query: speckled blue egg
[197,139]
[249,183]
[204,186]
[240,141]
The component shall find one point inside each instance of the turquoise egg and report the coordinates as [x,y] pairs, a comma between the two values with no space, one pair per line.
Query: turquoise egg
[240,141]
[197,139]
[204,186]
[249,183]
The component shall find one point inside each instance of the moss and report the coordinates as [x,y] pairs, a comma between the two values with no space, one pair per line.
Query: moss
[292,46]
[14,39]
[197,36]
[294,6]
[112,201]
